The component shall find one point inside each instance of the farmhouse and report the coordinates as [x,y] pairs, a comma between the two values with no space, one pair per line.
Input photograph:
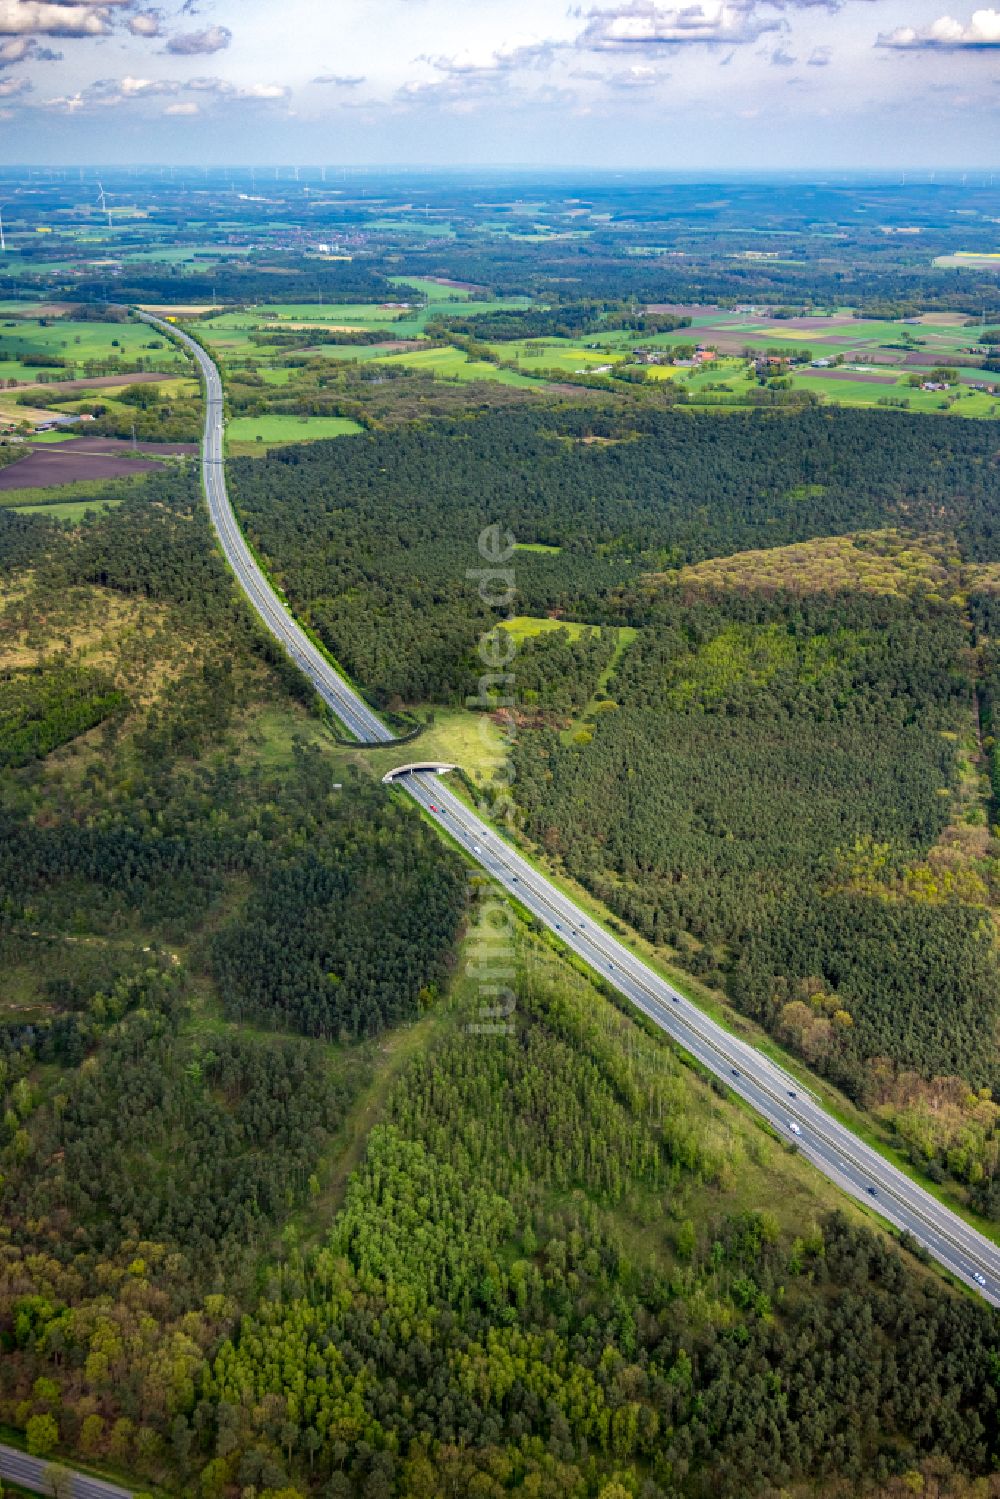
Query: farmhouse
[56,423]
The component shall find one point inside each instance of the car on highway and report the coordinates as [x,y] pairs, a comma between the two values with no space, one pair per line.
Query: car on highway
[796,1129]
[979,1279]
[872,1191]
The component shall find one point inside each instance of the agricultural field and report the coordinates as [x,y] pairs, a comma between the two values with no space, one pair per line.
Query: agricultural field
[84,459]
[987,260]
[870,362]
[41,348]
[454,364]
[247,435]
[867,362]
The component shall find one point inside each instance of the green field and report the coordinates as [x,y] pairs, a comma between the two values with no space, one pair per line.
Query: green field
[64,509]
[524,626]
[80,345]
[880,345]
[250,434]
[232,329]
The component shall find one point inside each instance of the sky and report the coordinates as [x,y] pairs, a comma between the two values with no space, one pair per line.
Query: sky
[724,84]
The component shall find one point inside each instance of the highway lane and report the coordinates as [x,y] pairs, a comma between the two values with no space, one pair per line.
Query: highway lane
[788,1107]
[31,1473]
[352,710]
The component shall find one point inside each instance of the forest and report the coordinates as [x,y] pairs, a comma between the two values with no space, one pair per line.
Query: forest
[279,1221]
[781,766]
[372,540]
[474,1323]
[466,1316]
[776,773]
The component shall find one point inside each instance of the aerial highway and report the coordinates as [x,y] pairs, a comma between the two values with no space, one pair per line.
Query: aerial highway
[353,712]
[787,1106]
[33,1473]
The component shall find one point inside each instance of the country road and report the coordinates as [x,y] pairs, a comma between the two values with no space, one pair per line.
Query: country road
[786,1106]
[32,1473]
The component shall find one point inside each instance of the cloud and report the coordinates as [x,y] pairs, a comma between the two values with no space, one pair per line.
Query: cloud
[341,80]
[199,43]
[982,32]
[111,93]
[643,23]
[145,23]
[782,58]
[820,57]
[508,60]
[56,17]
[135,88]
[639,76]
[25,49]
[456,91]
[9,87]
[221,88]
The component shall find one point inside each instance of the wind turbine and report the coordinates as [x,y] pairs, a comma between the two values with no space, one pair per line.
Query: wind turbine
[103,203]
[3,242]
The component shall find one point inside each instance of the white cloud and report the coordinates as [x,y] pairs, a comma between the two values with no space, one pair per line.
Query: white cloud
[820,57]
[341,80]
[200,43]
[9,87]
[983,31]
[186,108]
[639,76]
[222,88]
[504,60]
[133,88]
[145,23]
[56,17]
[643,23]
[25,49]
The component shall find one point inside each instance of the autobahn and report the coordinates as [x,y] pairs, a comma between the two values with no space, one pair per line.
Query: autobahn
[786,1106]
[34,1473]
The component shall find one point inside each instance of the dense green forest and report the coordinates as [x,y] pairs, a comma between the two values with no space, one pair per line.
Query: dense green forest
[535,1280]
[152,1143]
[294,278]
[775,773]
[781,768]
[373,540]
[535,1283]
[475,1324]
